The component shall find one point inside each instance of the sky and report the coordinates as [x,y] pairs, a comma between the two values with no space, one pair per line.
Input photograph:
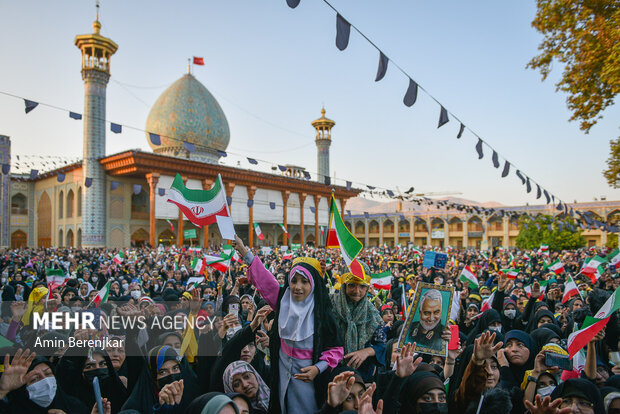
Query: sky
[272,68]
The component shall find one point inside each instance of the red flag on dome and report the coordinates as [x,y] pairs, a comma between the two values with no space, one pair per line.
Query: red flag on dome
[199,61]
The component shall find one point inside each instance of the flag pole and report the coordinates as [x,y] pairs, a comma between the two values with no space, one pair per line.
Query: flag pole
[189,66]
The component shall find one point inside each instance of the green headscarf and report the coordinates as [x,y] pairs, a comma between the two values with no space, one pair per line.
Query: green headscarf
[358,321]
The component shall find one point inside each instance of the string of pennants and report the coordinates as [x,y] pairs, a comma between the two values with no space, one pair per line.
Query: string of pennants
[586,220]
[343,32]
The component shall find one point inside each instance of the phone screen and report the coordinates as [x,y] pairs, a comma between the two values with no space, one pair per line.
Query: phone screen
[454,338]
[557,360]
[233,308]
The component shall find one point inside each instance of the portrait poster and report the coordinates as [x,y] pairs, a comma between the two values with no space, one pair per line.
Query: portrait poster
[427,317]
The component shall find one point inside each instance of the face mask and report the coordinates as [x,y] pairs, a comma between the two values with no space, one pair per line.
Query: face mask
[101,373]
[497,329]
[42,392]
[484,297]
[125,286]
[76,308]
[3,280]
[510,313]
[94,279]
[232,331]
[544,391]
[433,408]
[168,380]
[136,294]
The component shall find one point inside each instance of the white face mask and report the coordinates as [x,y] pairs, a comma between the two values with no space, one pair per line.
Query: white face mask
[232,331]
[136,294]
[42,392]
[125,286]
[497,329]
[545,391]
[510,313]
[94,279]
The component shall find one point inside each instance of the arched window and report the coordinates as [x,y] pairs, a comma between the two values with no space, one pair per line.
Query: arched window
[61,204]
[70,204]
[79,202]
[18,204]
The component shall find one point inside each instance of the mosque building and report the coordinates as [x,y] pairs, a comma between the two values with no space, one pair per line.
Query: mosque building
[120,200]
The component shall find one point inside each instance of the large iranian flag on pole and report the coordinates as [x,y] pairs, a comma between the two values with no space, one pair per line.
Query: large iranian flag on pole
[556,267]
[340,236]
[593,325]
[594,268]
[468,275]
[102,296]
[199,206]
[614,258]
[381,280]
[570,289]
[258,231]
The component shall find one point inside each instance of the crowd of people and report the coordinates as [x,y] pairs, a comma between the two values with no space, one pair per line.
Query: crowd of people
[299,333]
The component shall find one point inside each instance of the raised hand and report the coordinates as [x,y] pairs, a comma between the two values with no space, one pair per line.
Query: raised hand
[357,358]
[194,304]
[107,407]
[260,317]
[501,358]
[546,406]
[14,374]
[484,349]
[365,406]
[18,309]
[535,294]
[405,364]
[262,339]
[241,248]
[172,393]
[339,389]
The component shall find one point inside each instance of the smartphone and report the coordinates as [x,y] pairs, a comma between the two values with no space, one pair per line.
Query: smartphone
[615,357]
[454,338]
[98,395]
[556,360]
[233,308]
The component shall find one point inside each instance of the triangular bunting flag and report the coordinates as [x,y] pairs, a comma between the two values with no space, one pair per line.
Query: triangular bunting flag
[443,117]
[479,149]
[412,93]
[30,105]
[155,139]
[383,65]
[343,30]
[116,128]
[461,130]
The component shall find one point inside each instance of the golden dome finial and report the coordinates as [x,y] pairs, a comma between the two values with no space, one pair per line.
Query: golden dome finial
[323,112]
[96,24]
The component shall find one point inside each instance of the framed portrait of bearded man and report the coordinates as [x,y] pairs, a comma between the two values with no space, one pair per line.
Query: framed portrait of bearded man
[427,318]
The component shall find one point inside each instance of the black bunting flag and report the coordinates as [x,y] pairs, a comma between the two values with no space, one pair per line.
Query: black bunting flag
[520,177]
[343,30]
[506,170]
[461,129]
[292,3]
[479,149]
[382,69]
[495,159]
[528,186]
[412,93]
[443,117]
[547,196]
[538,192]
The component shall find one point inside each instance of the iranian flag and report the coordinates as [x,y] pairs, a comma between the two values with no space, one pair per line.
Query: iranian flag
[118,259]
[614,258]
[229,253]
[340,236]
[287,256]
[258,231]
[570,289]
[556,267]
[593,325]
[486,305]
[55,278]
[484,255]
[193,282]
[526,256]
[381,280]
[468,275]
[594,268]
[510,273]
[171,226]
[198,264]
[102,296]
[416,251]
[217,262]
[199,206]
[544,250]
[283,229]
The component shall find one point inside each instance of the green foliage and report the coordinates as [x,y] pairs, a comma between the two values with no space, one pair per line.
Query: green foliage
[612,240]
[532,237]
[612,173]
[584,37]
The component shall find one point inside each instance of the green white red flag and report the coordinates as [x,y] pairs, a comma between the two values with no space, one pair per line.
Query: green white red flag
[543,287]
[258,231]
[510,273]
[593,325]
[614,258]
[284,229]
[193,282]
[199,206]
[594,268]
[199,265]
[217,262]
[118,259]
[381,281]
[556,267]
[468,275]
[55,278]
[102,296]
[340,236]
[570,289]
[486,305]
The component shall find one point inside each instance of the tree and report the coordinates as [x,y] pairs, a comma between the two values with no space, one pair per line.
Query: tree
[612,240]
[584,35]
[612,173]
[531,235]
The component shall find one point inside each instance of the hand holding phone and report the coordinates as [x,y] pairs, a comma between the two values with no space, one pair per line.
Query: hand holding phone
[98,395]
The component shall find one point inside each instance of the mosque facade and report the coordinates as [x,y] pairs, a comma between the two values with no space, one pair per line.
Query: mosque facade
[120,200]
